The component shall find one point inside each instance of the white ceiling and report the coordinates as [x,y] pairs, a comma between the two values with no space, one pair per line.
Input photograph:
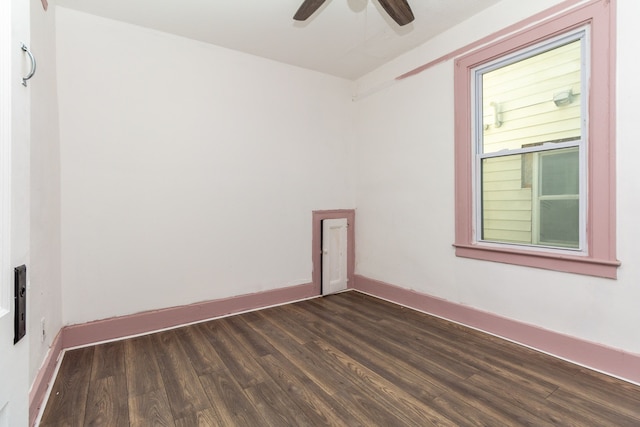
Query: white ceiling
[345,38]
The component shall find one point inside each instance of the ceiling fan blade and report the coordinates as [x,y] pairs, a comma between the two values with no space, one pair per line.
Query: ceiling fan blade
[307,8]
[398,10]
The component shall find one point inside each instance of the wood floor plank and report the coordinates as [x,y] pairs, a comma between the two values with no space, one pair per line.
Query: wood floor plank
[443,328]
[291,319]
[108,360]
[407,408]
[150,409]
[597,414]
[244,369]
[143,372]
[183,388]
[482,359]
[506,411]
[250,340]
[273,405]
[443,371]
[206,418]
[107,402]
[342,360]
[361,303]
[321,408]
[369,350]
[461,413]
[67,402]
[318,370]
[304,358]
[540,407]
[230,403]
[601,390]
[447,358]
[378,414]
[482,351]
[202,355]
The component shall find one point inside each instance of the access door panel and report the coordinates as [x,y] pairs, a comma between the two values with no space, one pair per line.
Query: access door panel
[334,255]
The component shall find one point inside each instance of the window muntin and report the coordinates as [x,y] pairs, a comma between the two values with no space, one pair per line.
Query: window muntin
[530,126]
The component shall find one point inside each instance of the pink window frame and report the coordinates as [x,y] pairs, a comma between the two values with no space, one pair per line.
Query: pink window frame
[600,258]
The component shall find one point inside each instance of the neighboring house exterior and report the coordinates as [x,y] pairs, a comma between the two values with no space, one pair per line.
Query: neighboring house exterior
[519,112]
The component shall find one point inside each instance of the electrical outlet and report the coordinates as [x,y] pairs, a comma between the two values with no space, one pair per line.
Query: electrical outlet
[43,331]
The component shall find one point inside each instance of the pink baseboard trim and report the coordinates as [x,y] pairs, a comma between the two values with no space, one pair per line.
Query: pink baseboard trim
[43,378]
[591,355]
[150,321]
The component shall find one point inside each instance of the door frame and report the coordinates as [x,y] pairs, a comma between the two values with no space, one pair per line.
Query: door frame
[316,245]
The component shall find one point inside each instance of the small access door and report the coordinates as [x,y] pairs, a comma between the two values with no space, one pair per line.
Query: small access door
[334,255]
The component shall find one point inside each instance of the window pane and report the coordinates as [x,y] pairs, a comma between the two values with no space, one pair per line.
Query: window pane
[532,101]
[542,209]
[506,205]
[559,225]
[559,172]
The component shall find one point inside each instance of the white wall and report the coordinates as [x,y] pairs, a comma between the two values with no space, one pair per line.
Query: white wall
[45,292]
[189,172]
[405,195]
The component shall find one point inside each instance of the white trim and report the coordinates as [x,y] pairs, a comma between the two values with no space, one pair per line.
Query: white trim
[583,190]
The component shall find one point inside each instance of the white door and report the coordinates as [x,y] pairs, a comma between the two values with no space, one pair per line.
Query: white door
[14,206]
[334,255]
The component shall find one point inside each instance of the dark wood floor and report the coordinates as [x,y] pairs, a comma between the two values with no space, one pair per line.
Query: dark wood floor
[346,359]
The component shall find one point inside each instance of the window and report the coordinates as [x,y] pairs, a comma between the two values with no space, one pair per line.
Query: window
[535,169]
[528,145]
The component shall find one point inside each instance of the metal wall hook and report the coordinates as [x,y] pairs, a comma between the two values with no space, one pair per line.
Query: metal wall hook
[33,65]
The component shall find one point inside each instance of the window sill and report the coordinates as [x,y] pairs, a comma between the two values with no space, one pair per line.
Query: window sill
[549,261]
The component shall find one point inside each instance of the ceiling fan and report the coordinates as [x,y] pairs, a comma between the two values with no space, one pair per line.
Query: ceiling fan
[398,10]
